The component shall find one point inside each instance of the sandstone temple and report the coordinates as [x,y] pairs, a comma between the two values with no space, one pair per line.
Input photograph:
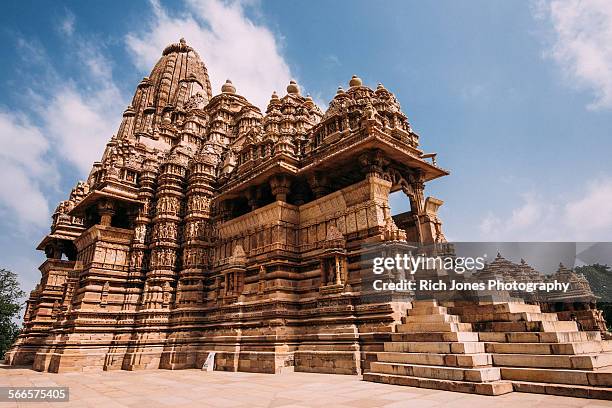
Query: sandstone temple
[209,228]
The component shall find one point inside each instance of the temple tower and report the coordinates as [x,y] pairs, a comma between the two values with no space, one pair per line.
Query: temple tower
[209,226]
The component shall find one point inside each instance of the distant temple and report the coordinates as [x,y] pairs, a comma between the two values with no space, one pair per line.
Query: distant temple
[577,303]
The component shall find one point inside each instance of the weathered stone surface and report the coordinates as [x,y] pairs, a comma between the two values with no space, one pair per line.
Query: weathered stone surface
[210,226]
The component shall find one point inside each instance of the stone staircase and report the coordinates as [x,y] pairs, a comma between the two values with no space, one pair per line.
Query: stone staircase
[494,349]
[434,349]
[541,354]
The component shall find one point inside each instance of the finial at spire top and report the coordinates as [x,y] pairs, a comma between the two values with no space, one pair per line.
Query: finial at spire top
[355,81]
[182,40]
[228,87]
[293,88]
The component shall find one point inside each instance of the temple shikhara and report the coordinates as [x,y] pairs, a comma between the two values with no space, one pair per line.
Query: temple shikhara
[209,226]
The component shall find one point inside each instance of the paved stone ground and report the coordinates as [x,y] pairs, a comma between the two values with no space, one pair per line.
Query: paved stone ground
[195,388]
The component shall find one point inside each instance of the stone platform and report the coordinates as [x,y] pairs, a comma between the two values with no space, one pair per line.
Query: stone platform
[195,388]
[494,349]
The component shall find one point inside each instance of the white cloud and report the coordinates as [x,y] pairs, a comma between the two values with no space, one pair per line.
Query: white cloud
[66,26]
[584,218]
[593,212]
[69,120]
[582,44]
[82,122]
[78,113]
[230,44]
[25,169]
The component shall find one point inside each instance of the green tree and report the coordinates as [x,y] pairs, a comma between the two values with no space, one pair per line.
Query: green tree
[11,297]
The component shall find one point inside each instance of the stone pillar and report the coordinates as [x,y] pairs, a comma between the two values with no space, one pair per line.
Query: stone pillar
[253,195]
[417,199]
[373,163]
[319,184]
[106,209]
[280,186]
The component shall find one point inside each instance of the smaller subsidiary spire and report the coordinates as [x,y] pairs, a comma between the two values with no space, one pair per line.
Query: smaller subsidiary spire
[309,102]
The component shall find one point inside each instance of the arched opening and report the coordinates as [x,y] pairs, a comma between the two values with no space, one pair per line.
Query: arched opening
[403,216]
[399,203]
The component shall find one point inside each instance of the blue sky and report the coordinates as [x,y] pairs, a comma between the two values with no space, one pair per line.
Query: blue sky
[515,97]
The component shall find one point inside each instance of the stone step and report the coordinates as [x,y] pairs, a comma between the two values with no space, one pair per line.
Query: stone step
[431,319]
[509,317]
[535,337]
[433,327]
[545,348]
[578,391]
[579,362]
[542,326]
[495,308]
[417,304]
[482,374]
[601,377]
[429,310]
[489,388]
[435,336]
[450,360]
[464,347]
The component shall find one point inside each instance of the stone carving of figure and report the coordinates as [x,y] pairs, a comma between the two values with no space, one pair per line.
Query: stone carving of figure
[166,294]
[331,279]
[136,259]
[164,257]
[145,207]
[171,257]
[230,283]
[140,233]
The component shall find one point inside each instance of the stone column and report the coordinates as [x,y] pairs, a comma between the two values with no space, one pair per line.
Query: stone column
[280,186]
[417,199]
[106,209]
[319,184]
[373,163]
[253,195]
